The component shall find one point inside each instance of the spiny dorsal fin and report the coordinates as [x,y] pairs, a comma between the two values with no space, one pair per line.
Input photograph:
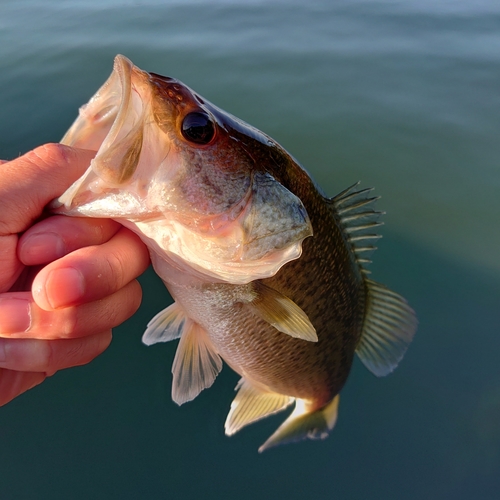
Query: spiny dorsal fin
[196,363]
[282,313]
[252,404]
[359,220]
[167,325]
[389,326]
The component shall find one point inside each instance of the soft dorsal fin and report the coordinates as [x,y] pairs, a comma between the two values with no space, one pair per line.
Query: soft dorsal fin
[282,313]
[196,363]
[167,325]
[389,326]
[359,220]
[252,404]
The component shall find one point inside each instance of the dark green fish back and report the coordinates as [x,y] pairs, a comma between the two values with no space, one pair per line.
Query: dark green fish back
[327,283]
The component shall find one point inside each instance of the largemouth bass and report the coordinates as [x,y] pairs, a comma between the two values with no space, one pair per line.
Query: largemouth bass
[267,273]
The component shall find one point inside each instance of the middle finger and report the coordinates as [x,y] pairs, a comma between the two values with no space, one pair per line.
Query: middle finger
[91,273]
[49,356]
[21,318]
[58,235]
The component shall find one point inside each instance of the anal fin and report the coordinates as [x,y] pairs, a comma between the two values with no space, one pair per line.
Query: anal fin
[304,424]
[252,404]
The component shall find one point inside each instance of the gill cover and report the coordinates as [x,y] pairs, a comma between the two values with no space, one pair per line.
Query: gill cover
[139,173]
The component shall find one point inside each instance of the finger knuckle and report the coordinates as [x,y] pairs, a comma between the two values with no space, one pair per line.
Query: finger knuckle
[48,154]
[117,266]
[68,323]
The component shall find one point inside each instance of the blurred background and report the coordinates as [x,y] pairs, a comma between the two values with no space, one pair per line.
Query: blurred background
[402,95]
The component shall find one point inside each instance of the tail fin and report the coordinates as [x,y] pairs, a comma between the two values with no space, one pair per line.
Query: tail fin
[303,424]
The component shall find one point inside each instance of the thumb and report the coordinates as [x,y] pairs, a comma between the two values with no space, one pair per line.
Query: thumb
[31,181]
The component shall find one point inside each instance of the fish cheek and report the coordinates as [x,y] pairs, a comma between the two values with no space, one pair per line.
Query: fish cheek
[207,186]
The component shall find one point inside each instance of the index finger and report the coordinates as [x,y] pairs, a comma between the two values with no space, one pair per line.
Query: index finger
[31,181]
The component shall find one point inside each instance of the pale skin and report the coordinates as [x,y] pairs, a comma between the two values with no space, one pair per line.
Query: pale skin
[64,282]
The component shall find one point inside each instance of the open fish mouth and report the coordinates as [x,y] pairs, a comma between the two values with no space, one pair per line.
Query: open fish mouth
[105,114]
[169,167]
[111,123]
[221,206]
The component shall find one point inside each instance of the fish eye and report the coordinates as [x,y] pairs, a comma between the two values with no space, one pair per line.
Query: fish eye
[198,127]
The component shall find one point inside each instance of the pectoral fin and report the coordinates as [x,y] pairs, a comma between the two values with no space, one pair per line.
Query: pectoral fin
[196,363]
[304,424]
[282,313]
[389,326]
[252,404]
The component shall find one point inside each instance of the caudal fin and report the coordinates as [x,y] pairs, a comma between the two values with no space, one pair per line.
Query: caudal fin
[303,424]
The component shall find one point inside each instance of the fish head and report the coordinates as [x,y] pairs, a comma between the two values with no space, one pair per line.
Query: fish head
[191,180]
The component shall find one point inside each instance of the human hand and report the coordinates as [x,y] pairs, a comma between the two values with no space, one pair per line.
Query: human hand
[60,315]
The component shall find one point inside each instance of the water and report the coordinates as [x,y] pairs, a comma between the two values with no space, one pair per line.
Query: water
[402,95]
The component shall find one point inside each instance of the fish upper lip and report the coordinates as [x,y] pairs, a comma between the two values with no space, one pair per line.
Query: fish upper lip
[123,67]
[122,70]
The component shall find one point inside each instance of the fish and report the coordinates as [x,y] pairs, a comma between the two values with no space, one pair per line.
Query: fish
[267,273]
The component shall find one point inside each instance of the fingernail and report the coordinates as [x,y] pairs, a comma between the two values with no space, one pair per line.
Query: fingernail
[43,247]
[15,315]
[64,287]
